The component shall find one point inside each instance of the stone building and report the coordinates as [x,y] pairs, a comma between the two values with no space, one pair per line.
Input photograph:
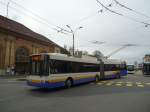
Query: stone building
[17,42]
[146,58]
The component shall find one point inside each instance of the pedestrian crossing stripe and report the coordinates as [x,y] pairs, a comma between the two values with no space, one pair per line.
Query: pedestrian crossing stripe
[147,83]
[123,83]
[129,85]
[140,85]
[109,84]
[104,81]
[118,84]
[99,83]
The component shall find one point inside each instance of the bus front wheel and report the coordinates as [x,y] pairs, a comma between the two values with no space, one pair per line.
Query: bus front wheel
[68,83]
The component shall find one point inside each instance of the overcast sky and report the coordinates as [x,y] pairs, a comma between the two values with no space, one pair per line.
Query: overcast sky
[107,27]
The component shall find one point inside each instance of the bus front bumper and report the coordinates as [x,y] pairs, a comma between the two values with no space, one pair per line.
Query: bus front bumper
[45,84]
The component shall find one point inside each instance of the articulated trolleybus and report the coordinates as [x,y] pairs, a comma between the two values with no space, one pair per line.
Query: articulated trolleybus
[51,70]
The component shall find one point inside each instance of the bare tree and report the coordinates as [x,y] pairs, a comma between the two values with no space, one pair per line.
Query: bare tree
[85,53]
[98,54]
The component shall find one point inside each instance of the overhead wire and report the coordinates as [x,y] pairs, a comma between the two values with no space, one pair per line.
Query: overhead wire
[126,7]
[49,24]
[34,16]
[58,28]
[120,14]
[109,9]
[86,18]
[133,19]
[21,12]
[92,15]
[113,44]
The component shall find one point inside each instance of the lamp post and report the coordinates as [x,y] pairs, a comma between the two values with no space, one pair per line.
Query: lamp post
[8,7]
[73,35]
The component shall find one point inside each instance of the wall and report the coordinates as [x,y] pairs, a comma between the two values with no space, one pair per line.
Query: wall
[9,45]
[2,57]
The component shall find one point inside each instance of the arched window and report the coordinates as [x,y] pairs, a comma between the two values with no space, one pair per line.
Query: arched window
[22,54]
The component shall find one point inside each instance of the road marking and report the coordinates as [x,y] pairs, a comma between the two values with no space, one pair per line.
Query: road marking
[100,83]
[147,83]
[109,84]
[129,85]
[140,85]
[11,81]
[118,84]
[104,81]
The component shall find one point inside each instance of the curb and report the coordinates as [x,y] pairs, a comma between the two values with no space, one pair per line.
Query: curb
[12,77]
[20,79]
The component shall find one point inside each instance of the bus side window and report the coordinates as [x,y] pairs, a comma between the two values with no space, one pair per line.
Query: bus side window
[105,67]
[52,66]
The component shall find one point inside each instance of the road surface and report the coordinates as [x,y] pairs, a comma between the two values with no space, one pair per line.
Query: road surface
[128,94]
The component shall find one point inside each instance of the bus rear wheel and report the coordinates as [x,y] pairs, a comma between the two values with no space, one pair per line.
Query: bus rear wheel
[68,83]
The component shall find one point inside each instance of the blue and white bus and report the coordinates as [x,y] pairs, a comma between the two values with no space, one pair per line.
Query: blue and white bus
[131,69]
[51,70]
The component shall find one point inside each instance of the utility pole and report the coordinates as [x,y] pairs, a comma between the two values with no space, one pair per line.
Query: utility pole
[7,8]
[73,35]
[73,42]
[70,31]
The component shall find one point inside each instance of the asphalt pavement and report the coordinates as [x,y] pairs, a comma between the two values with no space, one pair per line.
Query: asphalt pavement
[128,94]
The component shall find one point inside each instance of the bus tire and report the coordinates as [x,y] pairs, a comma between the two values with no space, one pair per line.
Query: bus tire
[97,78]
[68,83]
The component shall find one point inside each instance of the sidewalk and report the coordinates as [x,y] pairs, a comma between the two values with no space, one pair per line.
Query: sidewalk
[14,77]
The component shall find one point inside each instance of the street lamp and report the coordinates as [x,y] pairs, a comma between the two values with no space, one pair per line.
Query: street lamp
[73,34]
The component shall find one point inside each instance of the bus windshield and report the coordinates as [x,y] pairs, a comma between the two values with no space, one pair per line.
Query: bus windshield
[37,68]
[130,67]
[39,65]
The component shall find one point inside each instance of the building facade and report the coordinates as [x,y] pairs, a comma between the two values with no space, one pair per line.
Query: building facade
[146,58]
[18,42]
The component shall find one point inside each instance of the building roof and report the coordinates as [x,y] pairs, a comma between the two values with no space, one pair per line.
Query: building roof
[14,27]
[147,54]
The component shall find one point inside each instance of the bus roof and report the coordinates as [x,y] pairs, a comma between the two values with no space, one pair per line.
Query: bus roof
[93,60]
